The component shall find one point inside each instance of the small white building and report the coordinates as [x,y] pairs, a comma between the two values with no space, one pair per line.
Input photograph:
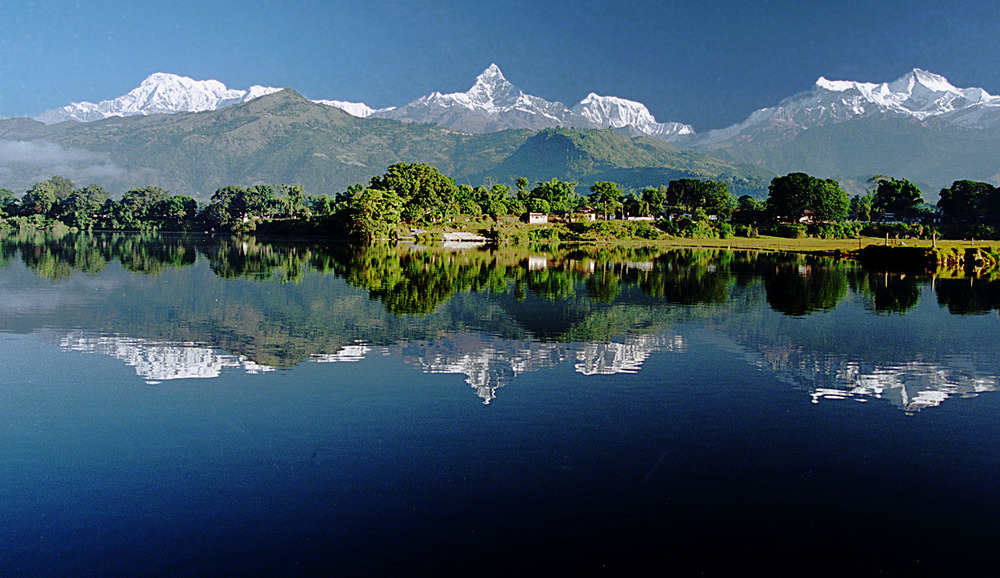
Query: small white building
[536,218]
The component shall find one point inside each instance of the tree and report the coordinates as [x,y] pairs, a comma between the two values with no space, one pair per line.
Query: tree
[861,207]
[39,199]
[465,198]
[792,195]
[132,211]
[898,196]
[606,197]
[294,199]
[8,202]
[654,199]
[62,187]
[829,201]
[82,207]
[692,194]
[969,200]
[321,205]
[374,213]
[492,201]
[423,190]
[228,205]
[634,206]
[260,201]
[522,188]
[558,194]
[173,212]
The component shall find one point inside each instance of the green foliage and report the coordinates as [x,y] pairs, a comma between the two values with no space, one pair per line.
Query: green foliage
[558,195]
[8,202]
[970,200]
[654,199]
[293,200]
[39,199]
[374,213]
[426,194]
[174,213]
[693,194]
[898,196]
[606,197]
[862,207]
[792,195]
[82,208]
[132,212]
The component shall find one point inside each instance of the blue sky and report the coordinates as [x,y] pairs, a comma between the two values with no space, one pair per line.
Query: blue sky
[708,63]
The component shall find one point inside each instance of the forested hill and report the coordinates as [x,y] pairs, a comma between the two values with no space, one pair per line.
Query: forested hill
[284,138]
[604,155]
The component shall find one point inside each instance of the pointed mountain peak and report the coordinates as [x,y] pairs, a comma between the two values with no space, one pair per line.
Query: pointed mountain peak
[491,75]
[490,82]
[492,89]
[932,81]
[918,77]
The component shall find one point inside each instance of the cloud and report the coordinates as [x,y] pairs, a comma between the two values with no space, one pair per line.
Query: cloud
[24,163]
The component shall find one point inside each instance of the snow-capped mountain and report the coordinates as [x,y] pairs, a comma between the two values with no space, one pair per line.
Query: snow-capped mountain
[358,109]
[494,104]
[918,94]
[159,93]
[618,113]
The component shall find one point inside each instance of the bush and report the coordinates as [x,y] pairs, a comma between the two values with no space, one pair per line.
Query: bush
[790,231]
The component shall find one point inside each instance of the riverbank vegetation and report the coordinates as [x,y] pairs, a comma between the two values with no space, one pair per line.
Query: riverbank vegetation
[416,201]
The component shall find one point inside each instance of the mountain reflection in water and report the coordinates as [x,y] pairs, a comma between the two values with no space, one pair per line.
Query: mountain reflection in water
[317,409]
[179,307]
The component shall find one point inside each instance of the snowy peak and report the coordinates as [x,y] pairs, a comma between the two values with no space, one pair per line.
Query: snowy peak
[619,113]
[489,84]
[160,93]
[921,80]
[494,104]
[918,95]
[491,92]
[358,109]
[613,111]
[491,104]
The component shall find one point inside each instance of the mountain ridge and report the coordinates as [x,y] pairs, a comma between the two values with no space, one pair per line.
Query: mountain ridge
[283,137]
[491,104]
[159,93]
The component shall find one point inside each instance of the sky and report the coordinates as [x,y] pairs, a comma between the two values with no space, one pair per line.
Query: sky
[708,63]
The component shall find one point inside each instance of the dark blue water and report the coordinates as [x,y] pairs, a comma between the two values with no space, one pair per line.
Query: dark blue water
[714,437]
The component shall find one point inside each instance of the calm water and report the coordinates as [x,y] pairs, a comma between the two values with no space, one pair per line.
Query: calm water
[189,406]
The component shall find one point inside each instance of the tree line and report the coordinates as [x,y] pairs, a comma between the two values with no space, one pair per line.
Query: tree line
[415,194]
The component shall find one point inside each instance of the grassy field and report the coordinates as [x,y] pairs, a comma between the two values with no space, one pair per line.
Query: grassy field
[516,232]
[814,245]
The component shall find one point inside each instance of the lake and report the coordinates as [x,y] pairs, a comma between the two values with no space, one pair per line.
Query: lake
[198,405]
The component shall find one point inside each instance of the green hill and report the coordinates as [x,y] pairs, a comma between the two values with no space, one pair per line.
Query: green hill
[285,138]
[931,154]
[603,155]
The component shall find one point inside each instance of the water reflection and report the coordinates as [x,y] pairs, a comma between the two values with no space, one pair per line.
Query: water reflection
[158,362]
[177,307]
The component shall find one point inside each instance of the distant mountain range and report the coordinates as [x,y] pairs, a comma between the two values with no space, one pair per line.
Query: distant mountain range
[919,126]
[492,104]
[283,138]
